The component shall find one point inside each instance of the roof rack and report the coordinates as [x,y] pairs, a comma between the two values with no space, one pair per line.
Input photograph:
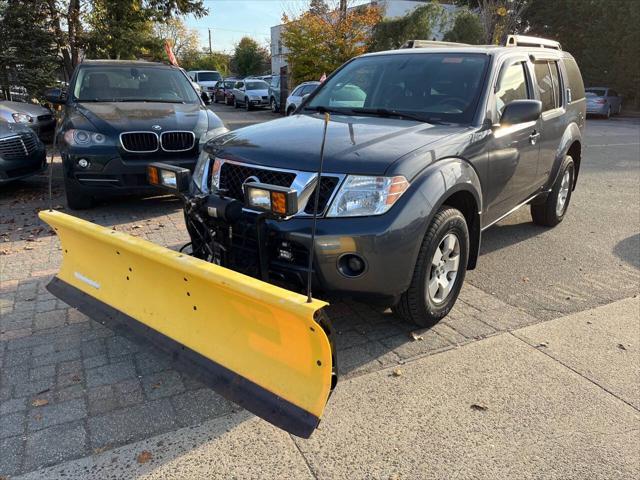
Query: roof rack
[431,43]
[525,41]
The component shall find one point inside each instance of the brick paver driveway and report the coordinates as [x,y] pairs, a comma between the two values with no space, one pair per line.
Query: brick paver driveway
[69,387]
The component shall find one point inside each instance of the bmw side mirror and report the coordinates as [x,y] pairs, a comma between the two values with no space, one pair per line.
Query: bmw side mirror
[521,111]
[57,96]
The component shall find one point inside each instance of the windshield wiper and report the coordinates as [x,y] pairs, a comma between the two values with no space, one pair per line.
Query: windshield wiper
[147,100]
[323,109]
[384,112]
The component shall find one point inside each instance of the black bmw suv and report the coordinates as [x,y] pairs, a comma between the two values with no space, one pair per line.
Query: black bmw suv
[425,149]
[121,115]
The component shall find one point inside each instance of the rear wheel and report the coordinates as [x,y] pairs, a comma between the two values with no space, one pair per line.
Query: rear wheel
[77,200]
[290,111]
[439,272]
[274,105]
[215,98]
[552,211]
[608,115]
[247,104]
[235,103]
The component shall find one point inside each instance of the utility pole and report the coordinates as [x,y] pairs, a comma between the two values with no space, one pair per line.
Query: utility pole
[210,51]
[343,9]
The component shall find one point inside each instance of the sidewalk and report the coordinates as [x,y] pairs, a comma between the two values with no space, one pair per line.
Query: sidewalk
[559,399]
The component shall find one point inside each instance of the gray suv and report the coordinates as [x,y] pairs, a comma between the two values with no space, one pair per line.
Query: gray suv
[426,148]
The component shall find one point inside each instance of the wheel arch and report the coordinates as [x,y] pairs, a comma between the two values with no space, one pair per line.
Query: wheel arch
[570,144]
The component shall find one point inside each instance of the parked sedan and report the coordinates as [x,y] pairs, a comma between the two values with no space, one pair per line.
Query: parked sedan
[603,101]
[21,152]
[295,99]
[251,93]
[36,117]
[223,91]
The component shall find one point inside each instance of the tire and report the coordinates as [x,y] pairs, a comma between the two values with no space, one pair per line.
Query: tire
[215,98]
[274,105]
[290,111]
[418,304]
[77,200]
[247,104]
[549,213]
[235,103]
[608,114]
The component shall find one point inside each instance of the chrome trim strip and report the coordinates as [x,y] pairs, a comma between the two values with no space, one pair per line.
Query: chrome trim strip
[193,138]
[81,179]
[303,183]
[140,151]
[516,208]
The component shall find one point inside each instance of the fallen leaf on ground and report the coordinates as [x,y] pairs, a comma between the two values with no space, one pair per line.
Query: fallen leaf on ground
[4,252]
[39,402]
[525,279]
[144,456]
[76,378]
[542,345]
[156,385]
[136,227]
[28,248]
[479,408]
[397,372]
[415,336]
[621,346]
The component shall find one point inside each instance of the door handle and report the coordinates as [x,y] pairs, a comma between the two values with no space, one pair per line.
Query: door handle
[533,138]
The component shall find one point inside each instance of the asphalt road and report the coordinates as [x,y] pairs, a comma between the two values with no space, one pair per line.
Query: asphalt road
[591,258]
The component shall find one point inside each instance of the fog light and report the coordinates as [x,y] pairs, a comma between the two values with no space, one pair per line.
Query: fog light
[351,265]
[280,202]
[83,163]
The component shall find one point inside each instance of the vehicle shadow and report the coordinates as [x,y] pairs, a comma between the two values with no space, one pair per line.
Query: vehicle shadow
[501,236]
[628,250]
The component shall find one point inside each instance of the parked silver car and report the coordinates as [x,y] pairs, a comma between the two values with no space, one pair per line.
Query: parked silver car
[39,119]
[251,93]
[603,101]
[295,99]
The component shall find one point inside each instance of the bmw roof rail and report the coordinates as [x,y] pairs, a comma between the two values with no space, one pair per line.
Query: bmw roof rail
[526,41]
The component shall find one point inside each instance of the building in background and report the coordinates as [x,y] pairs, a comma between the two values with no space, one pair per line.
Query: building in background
[390,9]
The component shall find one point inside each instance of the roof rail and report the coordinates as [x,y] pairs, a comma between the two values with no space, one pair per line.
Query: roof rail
[431,43]
[525,41]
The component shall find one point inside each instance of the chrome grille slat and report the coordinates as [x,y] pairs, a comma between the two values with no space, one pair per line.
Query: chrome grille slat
[139,142]
[177,140]
[17,147]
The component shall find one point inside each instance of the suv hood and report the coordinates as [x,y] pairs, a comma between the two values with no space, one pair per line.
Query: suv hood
[120,117]
[355,144]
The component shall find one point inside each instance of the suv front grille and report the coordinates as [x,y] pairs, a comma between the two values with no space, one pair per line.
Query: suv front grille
[139,142]
[15,148]
[177,141]
[327,186]
[233,176]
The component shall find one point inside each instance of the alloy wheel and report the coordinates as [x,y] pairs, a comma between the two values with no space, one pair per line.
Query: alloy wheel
[563,193]
[444,269]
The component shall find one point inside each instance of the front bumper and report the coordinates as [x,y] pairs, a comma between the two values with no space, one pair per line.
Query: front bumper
[110,174]
[388,244]
[597,109]
[263,102]
[11,170]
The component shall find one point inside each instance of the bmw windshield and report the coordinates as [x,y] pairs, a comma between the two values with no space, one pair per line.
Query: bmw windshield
[133,84]
[430,87]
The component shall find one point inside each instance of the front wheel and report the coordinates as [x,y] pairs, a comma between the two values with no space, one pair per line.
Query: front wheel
[77,200]
[552,211]
[247,104]
[235,103]
[274,105]
[439,272]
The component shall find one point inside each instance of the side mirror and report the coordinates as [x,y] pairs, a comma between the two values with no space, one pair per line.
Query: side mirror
[57,96]
[521,111]
[305,96]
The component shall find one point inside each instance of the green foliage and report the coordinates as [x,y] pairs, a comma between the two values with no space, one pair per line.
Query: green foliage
[466,29]
[602,35]
[249,58]
[195,60]
[27,47]
[418,24]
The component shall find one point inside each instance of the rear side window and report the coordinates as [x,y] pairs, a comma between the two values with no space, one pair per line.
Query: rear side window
[557,84]
[548,90]
[574,78]
[513,86]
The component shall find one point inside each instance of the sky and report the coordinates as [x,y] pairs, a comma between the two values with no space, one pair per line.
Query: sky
[230,20]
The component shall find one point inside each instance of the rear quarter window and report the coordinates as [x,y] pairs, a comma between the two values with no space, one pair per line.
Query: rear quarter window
[574,78]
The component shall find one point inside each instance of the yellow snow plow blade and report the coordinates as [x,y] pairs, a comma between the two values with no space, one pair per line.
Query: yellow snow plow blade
[259,345]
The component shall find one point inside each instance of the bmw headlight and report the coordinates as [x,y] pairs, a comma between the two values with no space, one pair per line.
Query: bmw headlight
[20,117]
[201,172]
[84,138]
[362,195]
[211,134]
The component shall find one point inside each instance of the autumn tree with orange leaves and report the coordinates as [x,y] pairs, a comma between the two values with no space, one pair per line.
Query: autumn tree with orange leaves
[322,39]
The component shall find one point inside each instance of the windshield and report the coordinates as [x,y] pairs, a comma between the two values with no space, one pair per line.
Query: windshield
[257,85]
[596,91]
[208,76]
[428,86]
[133,84]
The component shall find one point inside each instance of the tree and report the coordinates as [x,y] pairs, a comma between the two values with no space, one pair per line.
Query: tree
[420,23]
[320,40]
[466,29]
[500,18]
[249,58]
[27,47]
[182,38]
[203,60]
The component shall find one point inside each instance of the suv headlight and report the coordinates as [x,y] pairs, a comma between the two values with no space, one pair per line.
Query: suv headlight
[362,195]
[83,138]
[22,118]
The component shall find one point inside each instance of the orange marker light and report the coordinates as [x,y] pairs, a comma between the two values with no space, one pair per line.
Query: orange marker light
[152,174]
[279,202]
